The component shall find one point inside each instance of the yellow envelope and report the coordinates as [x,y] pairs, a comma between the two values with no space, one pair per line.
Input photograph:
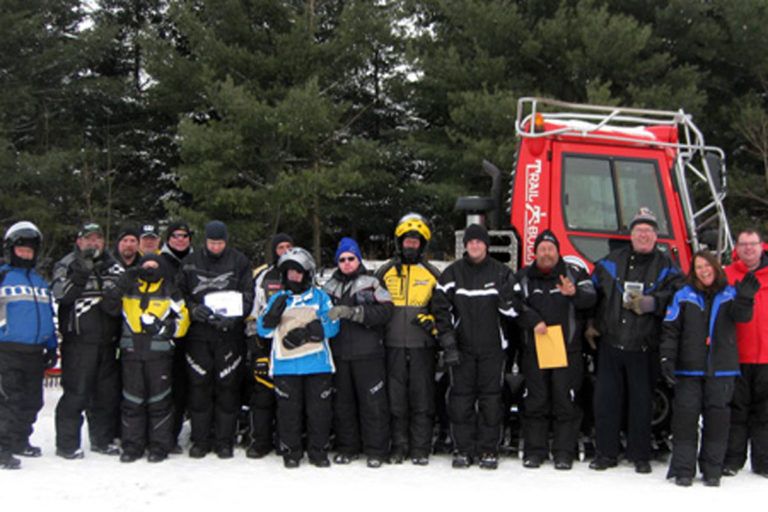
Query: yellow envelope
[550,348]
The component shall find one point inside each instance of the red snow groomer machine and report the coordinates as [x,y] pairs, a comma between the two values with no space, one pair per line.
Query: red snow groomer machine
[583,171]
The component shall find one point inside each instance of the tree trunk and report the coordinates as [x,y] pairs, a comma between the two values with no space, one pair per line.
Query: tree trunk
[316,229]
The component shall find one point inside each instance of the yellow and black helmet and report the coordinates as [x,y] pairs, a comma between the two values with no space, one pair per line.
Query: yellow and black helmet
[413,223]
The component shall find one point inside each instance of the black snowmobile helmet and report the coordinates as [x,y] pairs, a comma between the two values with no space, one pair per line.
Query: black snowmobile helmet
[22,234]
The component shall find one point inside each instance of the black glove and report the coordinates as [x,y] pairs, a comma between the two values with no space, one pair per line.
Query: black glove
[451,355]
[223,323]
[50,357]
[668,371]
[169,327]
[81,269]
[315,331]
[272,318]
[426,322]
[150,324]
[100,265]
[126,280]
[507,292]
[296,338]
[201,313]
[749,286]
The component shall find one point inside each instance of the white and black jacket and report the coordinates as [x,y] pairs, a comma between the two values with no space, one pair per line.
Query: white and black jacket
[470,301]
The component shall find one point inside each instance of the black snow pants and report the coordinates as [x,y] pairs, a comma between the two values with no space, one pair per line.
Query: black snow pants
[550,395]
[304,399]
[700,397]
[147,407]
[474,403]
[214,368]
[749,419]
[623,373]
[411,389]
[360,408]
[90,376]
[21,396]
[180,390]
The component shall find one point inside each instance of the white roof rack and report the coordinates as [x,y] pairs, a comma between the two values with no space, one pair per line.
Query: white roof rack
[629,125]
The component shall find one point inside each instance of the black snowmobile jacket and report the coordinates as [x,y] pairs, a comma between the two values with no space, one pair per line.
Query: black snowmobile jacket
[81,317]
[201,274]
[469,301]
[546,304]
[655,273]
[699,331]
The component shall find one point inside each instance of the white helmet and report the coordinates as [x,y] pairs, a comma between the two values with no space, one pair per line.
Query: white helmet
[300,257]
[23,231]
[25,234]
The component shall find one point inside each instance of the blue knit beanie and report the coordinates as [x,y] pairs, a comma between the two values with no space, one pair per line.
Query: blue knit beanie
[348,245]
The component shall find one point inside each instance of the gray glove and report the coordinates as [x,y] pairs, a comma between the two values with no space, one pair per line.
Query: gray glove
[640,304]
[354,314]
[591,334]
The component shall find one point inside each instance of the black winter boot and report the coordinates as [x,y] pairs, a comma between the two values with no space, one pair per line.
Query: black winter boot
[489,461]
[27,450]
[8,461]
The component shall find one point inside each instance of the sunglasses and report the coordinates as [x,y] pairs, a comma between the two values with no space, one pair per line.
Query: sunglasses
[348,259]
[180,235]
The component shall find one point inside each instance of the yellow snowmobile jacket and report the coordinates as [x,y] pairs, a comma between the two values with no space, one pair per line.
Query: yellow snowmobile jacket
[410,286]
[153,314]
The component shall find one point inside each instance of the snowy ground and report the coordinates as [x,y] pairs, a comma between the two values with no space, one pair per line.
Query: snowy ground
[51,483]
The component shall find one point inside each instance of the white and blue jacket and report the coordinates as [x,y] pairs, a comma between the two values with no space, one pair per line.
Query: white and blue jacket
[320,359]
[26,310]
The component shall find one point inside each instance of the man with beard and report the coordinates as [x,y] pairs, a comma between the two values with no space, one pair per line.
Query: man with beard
[217,286]
[90,374]
[128,247]
[557,294]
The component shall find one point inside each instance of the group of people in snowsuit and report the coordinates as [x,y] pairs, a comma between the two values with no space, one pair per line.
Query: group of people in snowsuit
[157,333]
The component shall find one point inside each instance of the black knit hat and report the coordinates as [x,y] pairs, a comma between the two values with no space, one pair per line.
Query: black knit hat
[216,230]
[476,232]
[177,225]
[546,236]
[128,231]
